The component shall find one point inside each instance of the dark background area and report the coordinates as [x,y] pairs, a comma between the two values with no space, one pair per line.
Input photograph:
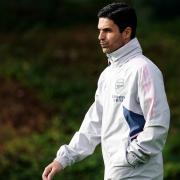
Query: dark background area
[50,62]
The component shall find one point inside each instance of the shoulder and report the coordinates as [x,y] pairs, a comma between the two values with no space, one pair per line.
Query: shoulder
[103,74]
[146,69]
[142,63]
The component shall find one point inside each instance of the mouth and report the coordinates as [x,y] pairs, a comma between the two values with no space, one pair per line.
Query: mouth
[104,45]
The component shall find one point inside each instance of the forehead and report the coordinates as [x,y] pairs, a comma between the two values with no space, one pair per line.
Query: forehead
[105,23]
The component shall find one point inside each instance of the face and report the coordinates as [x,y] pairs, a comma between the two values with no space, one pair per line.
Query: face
[109,35]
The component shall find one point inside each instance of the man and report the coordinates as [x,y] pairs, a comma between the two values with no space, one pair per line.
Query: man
[130,114]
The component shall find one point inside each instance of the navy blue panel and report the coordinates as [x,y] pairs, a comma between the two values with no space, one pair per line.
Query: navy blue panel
[135,121]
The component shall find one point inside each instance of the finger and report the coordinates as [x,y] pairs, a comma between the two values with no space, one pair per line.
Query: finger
[46,173]
[51,174]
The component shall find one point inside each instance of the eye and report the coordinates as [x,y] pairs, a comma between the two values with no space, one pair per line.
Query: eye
[107,30]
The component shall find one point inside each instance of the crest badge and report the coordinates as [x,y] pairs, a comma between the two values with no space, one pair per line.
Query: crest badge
[119,85]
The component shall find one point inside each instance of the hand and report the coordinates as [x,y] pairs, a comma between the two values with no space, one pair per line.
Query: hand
[51,170]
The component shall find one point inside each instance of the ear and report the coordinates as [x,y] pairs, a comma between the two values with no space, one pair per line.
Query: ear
[126,34]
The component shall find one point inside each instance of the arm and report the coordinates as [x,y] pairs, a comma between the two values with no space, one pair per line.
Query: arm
[83,142]
[153,102]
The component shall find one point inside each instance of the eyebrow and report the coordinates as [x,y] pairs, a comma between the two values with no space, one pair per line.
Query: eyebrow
[105,29]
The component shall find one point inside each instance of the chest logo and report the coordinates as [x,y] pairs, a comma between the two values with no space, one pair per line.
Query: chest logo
[119,85]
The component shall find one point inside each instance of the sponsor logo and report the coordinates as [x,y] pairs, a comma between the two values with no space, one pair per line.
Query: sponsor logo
[118,98]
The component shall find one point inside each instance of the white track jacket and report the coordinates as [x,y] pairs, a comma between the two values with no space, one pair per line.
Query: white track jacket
[129,117]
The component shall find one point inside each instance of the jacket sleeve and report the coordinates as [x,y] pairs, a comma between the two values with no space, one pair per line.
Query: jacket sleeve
[87,138]
[155,109]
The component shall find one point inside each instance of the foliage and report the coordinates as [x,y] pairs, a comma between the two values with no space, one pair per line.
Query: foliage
[58,71]
[24,157]
[164,10]
[20,14]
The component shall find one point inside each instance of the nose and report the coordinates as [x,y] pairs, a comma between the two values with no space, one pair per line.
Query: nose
[101,36]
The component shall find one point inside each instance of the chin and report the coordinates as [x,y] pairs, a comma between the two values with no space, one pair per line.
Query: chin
[107,51]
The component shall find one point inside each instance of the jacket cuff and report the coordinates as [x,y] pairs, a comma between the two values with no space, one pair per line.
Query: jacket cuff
[62,161]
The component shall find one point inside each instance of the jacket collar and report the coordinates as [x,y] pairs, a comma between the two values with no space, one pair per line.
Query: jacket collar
[125,53]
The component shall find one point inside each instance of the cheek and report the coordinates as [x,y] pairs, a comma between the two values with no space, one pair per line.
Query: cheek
[116,42]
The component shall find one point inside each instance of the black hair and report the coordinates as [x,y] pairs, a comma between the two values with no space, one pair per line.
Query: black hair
[122,15]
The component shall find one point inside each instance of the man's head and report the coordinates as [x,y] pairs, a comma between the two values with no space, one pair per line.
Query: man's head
[117,26]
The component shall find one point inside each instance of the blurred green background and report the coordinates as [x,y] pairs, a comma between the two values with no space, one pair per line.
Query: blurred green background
[50,61]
